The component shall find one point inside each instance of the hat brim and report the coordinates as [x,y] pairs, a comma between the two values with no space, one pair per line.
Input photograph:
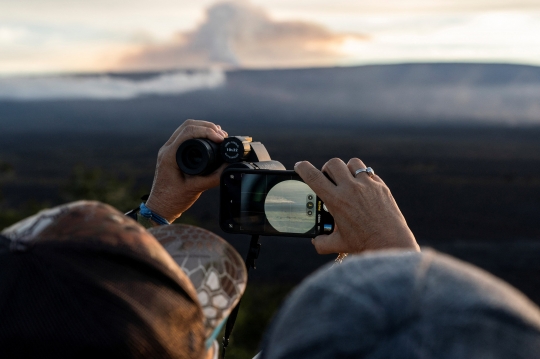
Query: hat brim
[214,267]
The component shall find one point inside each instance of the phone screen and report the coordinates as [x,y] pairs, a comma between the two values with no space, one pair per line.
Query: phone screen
[273,203]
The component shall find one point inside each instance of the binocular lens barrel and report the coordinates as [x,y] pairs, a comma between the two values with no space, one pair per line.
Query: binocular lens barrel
[198,157]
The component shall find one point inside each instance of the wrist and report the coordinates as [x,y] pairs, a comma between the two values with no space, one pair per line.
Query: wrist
[162,210]
[152,216]
[170,205]
[400,238]
[406,239]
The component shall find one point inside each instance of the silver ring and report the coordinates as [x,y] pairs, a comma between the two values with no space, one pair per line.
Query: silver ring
[368,170]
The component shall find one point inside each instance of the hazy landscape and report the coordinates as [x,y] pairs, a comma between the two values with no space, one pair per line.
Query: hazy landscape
[458,144]
[150,103]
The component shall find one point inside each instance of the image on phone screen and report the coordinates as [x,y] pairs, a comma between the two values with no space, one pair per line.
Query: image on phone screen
[276,203]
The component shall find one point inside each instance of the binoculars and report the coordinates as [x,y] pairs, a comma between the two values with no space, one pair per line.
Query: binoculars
[201,156]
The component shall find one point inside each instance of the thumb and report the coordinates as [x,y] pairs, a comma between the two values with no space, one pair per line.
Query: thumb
[203,183]
[329,243]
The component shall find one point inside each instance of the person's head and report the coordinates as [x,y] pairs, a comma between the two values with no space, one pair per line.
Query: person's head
[397,304]
[82,280]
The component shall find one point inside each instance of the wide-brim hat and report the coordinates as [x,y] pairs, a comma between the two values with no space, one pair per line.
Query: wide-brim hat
[83,280]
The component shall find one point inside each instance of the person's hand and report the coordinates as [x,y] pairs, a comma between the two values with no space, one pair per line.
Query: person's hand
[365,213]
[173,192]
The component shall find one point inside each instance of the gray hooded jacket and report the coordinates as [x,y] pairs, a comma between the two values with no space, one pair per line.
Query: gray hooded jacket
[397,304]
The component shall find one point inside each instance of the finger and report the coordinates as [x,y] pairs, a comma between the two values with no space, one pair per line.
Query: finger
[178,130]
[221,132]
[337,170]
[378,179]
[315,179]
[354,165]
[329,243]
[191,131]
[191,122]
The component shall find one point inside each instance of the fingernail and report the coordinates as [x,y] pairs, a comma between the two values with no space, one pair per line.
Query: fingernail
[297,163]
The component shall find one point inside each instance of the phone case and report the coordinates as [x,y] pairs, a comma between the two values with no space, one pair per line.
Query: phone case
[273,220]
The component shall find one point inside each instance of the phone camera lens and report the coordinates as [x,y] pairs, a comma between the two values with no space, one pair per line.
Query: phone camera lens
[310,205]
[310,197]
[309,213]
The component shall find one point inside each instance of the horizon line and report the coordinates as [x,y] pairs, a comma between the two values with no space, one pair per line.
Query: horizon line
[227,69]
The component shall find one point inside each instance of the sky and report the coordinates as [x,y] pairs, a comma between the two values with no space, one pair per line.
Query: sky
[59,36]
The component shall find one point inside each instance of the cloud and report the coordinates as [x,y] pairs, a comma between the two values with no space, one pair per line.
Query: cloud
[239,34]
[104,87]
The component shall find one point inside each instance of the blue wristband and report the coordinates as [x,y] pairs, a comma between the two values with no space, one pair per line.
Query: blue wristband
[147,213]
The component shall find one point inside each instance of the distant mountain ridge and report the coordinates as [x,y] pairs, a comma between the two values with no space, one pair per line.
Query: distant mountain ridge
[418,94]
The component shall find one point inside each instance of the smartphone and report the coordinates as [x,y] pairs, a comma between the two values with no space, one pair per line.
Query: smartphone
[271,203]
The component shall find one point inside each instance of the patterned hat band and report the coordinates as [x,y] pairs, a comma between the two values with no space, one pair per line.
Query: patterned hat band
[215,268]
